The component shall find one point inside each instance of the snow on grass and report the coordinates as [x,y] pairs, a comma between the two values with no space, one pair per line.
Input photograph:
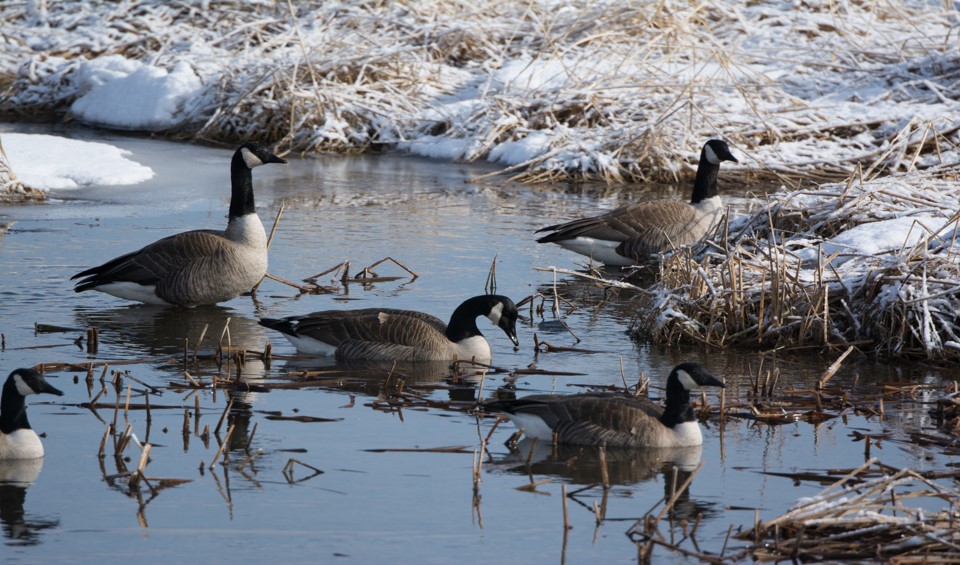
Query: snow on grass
[51,162]
[622,91]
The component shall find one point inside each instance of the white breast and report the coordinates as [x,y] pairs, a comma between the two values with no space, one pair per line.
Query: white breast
[20,444]
[247,230]
[686,434]
[708,211]
[475,348]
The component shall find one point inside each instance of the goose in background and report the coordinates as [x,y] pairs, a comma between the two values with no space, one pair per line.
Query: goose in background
[17,438]
[401,335]
[613,420]
[631,234]
[200,266]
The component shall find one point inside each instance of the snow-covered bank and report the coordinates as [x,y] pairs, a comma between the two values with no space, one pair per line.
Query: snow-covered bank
[551,88]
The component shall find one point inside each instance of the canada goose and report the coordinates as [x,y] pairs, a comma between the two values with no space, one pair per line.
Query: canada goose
[614,420]
[200,266]
[401,335]
[629,235]
[17,439]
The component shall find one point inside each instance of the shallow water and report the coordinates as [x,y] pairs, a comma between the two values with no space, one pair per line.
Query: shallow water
[403,504]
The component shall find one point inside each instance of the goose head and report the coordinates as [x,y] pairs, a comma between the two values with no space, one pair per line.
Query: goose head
[716,151]
[498,309]
[684,378]
[503,313]
[24,382]
[253,155]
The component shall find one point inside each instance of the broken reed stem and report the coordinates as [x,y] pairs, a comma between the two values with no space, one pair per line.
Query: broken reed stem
[196,348]
[604,473]
[223,416]
[566,514]
[833,368]
[490,286]
[249,459]
[223,447]
[253,432]
[676,494]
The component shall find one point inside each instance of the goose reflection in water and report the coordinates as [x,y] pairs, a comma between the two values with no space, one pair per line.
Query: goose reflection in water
[16,476]
[379,378]
[581,465]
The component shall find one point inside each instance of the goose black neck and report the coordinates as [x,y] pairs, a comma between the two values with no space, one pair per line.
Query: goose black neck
[13,410]
[678,409]
[705,185]
[463,321]
[241,196]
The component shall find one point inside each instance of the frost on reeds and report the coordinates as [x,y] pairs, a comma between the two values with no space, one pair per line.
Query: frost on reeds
[875,265]
[611,91]
[899,517]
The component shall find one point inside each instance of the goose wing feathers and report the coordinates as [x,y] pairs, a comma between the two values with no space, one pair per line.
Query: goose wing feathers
[642,228]
[375,333]
[591,419]
[159,261]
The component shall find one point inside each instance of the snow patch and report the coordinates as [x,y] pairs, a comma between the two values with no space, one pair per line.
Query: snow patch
[50,162]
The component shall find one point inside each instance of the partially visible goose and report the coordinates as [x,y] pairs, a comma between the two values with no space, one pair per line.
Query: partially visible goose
[17,438]
[614,420]
[631,234]
[201,266]
[401,335]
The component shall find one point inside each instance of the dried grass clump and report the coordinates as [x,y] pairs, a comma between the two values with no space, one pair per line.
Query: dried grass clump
[900,517]
[777,279]
[591,90]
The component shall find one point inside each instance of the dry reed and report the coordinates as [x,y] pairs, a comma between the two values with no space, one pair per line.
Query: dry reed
[864,518]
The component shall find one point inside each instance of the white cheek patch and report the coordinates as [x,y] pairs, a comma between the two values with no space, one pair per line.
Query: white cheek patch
[383,317]
[495,313]
[711,156]
[250,159]
[22,387]
[686,380]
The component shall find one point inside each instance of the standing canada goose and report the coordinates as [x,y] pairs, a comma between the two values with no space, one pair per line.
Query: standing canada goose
[17,439]
[200,266]
[401,335]
[631,234]
[614,420]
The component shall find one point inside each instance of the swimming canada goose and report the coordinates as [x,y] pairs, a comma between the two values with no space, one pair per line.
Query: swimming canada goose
[17,439]
[401,335]
[613,420]
[631,234]
[200,266]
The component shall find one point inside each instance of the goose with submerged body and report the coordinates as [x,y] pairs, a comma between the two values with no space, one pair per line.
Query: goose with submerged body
[17,438]
[400,335]
[613,420]
[631,234]
[201,266]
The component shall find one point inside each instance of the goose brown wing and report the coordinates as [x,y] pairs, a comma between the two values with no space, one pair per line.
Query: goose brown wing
[593,419]
[375,325]
[157,261]
[674,224]
[637,221]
